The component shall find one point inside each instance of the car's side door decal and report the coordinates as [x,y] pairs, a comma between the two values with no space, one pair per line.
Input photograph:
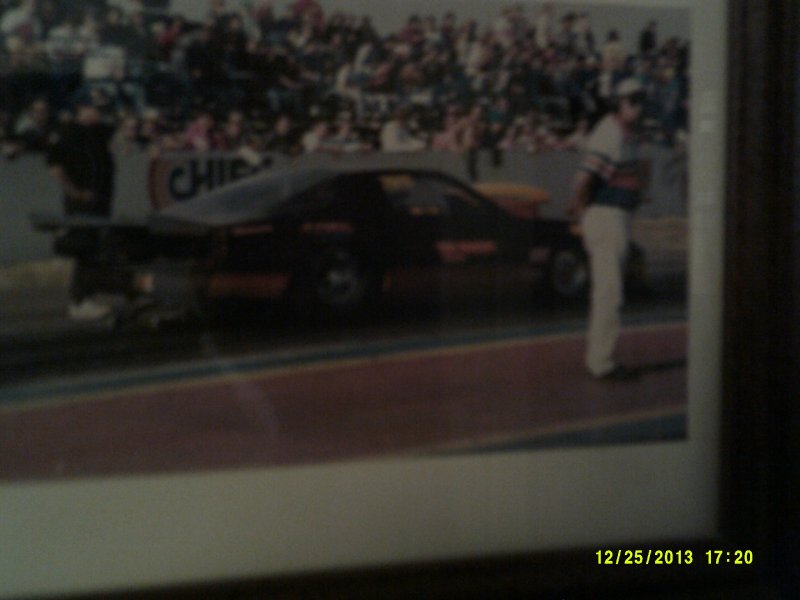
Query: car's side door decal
[459,251]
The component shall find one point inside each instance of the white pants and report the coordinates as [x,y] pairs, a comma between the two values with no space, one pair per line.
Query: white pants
[606,235]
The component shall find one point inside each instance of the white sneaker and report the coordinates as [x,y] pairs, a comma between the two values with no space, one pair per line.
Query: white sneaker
[88,310]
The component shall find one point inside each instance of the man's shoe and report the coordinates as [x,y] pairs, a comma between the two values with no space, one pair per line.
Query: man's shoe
[620,373]
[88,310]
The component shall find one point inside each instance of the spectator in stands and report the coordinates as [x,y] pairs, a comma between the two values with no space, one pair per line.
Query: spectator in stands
[346,86]
[448,30]
[69,41]
[345,139]
[301,35]
[316,138]
[466,38]
[305,9]
[613,53]
[219,15]
[670,100]
[22,23]
[282,81]
[431,32]
[475,137]
[584,37]
[545,25]
[576,141]
[648,39]
[50,13]
[396,134]
[114,28]
[538,136]
[606,79]
[127,8]
[24,58]
[105,66]
[152,128]
[200,135]
[409,85]
[498,118]
[128,139]
[503,28]
[141,45]
[263,13]
[565,40]
[232,42]
[208,78]
[583,88]
[513,138]
[234,132]
[412,36]
[169,37]
[248,14]
[451,136]
[283,138]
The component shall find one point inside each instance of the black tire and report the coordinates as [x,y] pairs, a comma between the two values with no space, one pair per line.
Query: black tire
[339,283]
[568,274]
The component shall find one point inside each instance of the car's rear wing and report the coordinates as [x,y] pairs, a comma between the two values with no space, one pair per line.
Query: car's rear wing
[155,225]
[54,222]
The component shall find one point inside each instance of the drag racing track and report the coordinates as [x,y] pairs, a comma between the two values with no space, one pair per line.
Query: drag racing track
[257,391]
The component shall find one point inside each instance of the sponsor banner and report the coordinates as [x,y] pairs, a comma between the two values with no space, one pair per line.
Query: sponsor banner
[180,176]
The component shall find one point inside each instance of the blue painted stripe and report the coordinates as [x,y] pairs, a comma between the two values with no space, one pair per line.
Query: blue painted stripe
[665,428]
[245,366]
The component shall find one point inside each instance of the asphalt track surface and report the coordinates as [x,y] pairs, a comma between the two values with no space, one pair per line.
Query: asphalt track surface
[255,388]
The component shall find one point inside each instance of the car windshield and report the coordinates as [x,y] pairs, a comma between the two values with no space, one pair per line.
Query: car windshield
[250,199]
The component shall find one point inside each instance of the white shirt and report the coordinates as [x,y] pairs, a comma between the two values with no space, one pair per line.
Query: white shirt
[396,138]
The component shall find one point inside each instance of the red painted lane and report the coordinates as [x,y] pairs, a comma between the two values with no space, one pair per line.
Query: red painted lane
[335,411]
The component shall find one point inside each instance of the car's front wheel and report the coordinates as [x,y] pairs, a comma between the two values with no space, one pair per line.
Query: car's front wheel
[340,283]
[568,274]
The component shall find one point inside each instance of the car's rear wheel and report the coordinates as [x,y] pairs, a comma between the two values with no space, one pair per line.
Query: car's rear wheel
[340,283]
[568,274]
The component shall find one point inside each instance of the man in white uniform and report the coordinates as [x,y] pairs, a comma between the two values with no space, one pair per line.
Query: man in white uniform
[608,188]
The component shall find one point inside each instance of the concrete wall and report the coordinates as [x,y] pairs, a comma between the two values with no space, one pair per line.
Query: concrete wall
[27,187]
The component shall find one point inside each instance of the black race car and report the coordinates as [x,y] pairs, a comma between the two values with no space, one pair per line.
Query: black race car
[333,240]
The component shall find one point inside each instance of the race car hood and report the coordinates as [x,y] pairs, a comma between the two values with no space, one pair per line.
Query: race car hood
[245,201]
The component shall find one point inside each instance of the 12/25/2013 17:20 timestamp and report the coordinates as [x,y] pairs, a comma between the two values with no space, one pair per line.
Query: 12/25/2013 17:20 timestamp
[673,557]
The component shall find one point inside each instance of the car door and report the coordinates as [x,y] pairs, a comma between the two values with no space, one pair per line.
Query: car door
[444,236]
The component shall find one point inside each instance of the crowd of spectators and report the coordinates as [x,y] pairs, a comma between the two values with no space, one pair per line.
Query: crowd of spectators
[302,81]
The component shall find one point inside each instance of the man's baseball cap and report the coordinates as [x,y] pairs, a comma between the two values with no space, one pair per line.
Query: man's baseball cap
[628,87]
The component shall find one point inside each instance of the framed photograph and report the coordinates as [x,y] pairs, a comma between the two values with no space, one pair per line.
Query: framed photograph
[339,320]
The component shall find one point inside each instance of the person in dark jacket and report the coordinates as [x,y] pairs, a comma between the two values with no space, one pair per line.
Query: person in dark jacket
[82,164]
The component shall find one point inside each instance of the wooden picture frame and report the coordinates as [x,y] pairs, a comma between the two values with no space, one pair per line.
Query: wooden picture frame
[759,382]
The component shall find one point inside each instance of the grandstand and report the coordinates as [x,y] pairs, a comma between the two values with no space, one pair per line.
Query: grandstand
[528,78]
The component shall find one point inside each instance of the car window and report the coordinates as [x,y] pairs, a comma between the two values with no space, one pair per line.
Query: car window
[462,203]
[315,198]
[421,196]
[415,196]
